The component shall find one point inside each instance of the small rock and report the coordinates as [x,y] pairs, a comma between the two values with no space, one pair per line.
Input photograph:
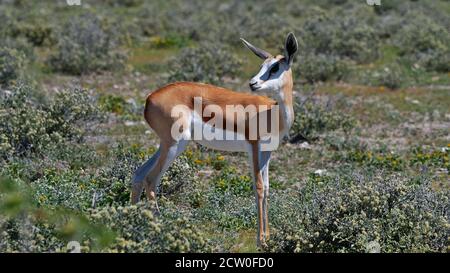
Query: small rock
[320,172]
[304,145]
[129,123]
[373,247]
[205,173]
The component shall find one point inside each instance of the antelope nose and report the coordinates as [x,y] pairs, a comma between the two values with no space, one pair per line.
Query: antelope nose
[252,83]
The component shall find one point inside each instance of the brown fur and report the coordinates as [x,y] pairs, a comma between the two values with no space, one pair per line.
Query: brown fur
[159,104]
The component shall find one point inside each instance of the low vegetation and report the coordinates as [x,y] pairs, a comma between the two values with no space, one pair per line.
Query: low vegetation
[207,63]
[354,213]
[365,168]
[85,45]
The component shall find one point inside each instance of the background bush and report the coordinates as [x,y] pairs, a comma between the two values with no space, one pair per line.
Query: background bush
[27,227]
[339,36]
[425,42]
[181,172]
[207,63]
[319,67]
[29,127]
[139,231]
[360,184]
[37,32]
[390,76]
[356,214]
[11,65]
[86,45]
[314,116]
[21,45]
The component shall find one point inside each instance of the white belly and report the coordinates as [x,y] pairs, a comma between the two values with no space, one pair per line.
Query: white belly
[225,145]
[217,138]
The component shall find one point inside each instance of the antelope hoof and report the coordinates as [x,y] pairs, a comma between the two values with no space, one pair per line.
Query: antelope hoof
[156,212]
[261,242]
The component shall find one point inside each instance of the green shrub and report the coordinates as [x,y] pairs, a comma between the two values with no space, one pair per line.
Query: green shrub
[30,23]
[27,227]
[84,45]
[229,180]
[431,158]
[181,172]
[242,23]
[361,214]
[23,124]
[126,109]
[114,104]
[70,112]
[199,22]
[346,37]
[21,45]
[439,61]
[60,182]
[67,189]
[8,23]
[425,42]
[113,179]
[57,208]
[227,210]
[25,235]
[150,20]
[37,32]
[390,76]
[314,117]
[207,63]
[319,67]
[356,40]
[391,161]
[139,231]
[59,158]
[11,65]
[169,40]
[28,126]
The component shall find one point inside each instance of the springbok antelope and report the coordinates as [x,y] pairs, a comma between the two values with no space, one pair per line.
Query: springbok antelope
[274,79]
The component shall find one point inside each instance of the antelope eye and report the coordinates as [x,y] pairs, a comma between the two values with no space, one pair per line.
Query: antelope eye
[275,68]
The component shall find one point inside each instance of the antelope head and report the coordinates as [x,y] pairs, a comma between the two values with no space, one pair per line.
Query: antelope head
[275,72]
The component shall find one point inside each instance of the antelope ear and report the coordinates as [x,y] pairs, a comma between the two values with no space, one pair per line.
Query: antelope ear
[258,52]
[290,48]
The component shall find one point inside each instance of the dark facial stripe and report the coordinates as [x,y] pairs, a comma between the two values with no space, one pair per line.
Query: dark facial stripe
[269,71]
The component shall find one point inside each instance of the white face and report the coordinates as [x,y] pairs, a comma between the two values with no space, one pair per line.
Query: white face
[271,76]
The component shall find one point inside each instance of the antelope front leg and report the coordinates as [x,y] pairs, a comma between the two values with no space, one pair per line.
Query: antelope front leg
[265,159]
[259,192]
[259,186]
